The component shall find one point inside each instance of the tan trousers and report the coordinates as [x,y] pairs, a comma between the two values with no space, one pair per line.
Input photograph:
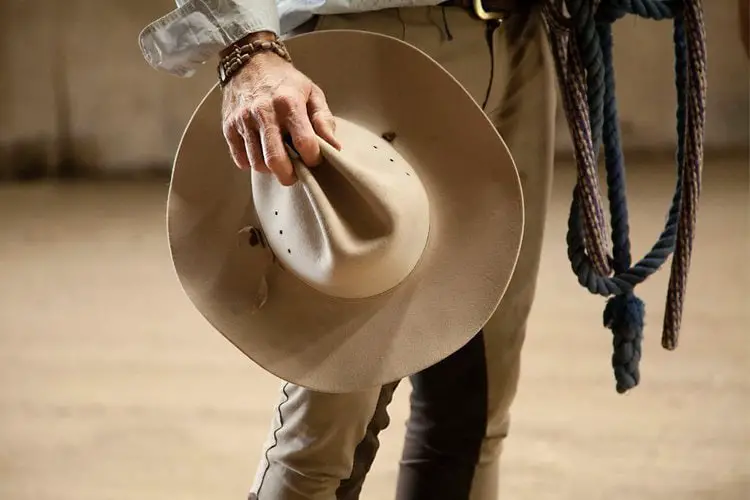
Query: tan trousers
[321,446]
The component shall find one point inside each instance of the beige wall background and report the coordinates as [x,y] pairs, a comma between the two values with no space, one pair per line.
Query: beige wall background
[74,69]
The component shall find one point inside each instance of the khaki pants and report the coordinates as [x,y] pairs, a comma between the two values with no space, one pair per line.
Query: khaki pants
[321,446]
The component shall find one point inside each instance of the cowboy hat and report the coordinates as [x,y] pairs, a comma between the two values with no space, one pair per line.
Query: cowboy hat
[383,260]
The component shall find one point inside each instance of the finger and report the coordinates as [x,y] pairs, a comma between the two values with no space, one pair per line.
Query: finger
[251,142]
[255,151]
[303,136]
[236,146]
[272,144]
[276,156]
[321,117]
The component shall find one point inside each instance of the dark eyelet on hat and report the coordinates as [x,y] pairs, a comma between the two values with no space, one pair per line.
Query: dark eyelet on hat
[255,237]
[253,240]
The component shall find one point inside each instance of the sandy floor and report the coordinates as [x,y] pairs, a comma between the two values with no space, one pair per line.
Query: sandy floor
[112,387]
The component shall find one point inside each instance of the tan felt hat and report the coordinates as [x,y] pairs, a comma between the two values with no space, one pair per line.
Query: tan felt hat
[376,264]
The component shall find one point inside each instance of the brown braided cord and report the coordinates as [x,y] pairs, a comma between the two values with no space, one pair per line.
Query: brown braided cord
[695,126]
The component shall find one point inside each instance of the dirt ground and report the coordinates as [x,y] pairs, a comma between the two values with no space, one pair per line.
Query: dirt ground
[112,387]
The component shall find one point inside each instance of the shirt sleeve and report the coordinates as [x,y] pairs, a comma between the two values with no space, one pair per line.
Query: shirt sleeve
[196,30]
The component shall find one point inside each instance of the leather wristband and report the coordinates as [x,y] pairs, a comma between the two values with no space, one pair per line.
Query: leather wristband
[238,55]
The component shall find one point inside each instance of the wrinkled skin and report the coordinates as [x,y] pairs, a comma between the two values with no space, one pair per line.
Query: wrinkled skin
[267,98]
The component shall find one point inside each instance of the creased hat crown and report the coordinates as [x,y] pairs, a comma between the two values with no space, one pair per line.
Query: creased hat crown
[354,226]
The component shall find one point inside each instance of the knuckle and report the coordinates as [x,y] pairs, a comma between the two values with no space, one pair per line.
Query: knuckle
[323,113]
[286,100]
[274,159]
[261,110]
[323,119]
[228,129]
[271,132]
[303,142]
[320,118]
[244,120]
[316,91]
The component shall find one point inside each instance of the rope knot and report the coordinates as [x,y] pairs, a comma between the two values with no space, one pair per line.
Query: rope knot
[624,316]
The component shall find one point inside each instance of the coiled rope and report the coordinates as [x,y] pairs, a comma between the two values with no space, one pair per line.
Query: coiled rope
[580,34]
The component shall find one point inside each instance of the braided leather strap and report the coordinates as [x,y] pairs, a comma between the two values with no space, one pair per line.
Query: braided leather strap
[241,53]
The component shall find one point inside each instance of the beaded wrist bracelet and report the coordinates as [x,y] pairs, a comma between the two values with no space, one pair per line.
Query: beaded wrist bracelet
[241,53]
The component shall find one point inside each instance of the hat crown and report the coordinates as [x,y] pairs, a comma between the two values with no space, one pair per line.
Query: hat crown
[354,226]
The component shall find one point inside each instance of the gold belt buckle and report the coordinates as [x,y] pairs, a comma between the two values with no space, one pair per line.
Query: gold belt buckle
[487,16]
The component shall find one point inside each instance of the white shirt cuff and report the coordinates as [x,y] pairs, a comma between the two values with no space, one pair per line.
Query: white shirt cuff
[190,35]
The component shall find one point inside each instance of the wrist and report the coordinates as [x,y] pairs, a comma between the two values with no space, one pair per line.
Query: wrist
[255,47]
[250,37]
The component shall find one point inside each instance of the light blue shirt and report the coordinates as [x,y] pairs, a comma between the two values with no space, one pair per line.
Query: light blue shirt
[197,30]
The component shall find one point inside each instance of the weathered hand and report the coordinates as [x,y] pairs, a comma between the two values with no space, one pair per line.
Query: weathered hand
[267,99]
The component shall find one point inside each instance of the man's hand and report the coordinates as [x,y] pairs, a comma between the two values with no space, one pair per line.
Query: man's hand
[269,98]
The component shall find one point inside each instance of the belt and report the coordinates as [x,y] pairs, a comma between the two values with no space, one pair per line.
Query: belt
[486,9]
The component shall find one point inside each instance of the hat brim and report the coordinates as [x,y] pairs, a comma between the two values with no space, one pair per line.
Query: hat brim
[476,207]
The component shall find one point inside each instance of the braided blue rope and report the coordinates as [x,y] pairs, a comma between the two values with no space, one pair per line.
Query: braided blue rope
[624,314]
